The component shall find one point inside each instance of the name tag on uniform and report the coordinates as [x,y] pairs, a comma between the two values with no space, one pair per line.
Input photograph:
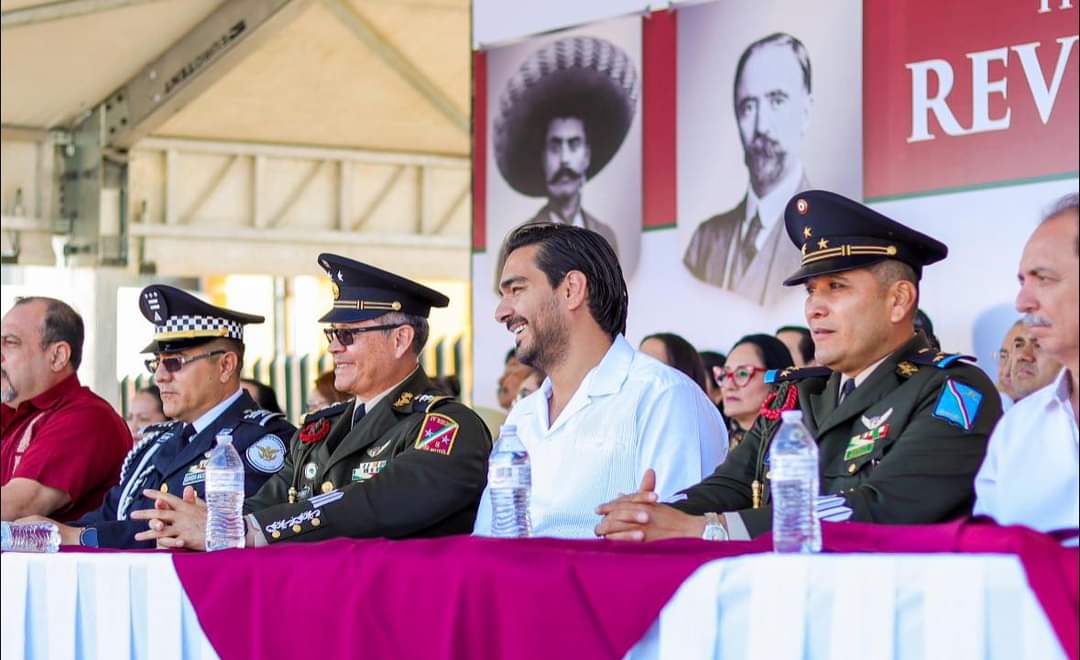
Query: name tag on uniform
[196,473]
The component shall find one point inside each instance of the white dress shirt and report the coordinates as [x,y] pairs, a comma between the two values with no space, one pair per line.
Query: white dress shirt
[630,413]
[1031,474]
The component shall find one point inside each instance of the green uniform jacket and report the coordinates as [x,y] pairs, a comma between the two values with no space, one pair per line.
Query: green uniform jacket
[414,465]
[903,448]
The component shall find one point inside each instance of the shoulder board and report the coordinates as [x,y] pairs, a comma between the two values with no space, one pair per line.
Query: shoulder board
[333,410]
[152,431]
[260,416]
[408,402]
[774,376]
[930,358]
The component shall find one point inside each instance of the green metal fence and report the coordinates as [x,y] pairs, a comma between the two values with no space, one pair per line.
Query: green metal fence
[293,376]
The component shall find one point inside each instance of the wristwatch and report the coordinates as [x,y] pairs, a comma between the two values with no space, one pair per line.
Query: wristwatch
[714,529]
[88,537]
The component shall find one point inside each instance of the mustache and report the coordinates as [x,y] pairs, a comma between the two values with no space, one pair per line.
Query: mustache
[564,173]
[762,145]
[1035,321]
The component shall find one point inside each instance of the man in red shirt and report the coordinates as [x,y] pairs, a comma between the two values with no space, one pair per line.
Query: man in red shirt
[61,445]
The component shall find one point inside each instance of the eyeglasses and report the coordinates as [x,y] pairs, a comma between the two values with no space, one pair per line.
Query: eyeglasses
[174,364]
[740,375]
[344,336]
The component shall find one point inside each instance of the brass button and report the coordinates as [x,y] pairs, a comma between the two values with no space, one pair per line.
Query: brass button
[327,487]
[768,474]
[297,528]
[315,522]
[165,488]
[276,534]
[851,469]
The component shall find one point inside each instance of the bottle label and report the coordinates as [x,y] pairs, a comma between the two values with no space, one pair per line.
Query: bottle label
[509,476]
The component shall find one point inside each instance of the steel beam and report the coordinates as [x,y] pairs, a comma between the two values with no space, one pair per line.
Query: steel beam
[197,60]
[372,157]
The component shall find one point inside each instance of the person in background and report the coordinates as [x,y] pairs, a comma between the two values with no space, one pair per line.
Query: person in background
[144,409]
[448,385]
[531,383]
[513,373]
[743,380]
[799,342]
[61,445]
[263,394]
[198,352]
[605,412]
[1027,367]
[714,367]
[324,393]
[924,325]
[676,352]
[1031,475]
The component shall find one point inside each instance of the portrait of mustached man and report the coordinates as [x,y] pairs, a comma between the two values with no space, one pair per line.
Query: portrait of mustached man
[744,250]
[561,118]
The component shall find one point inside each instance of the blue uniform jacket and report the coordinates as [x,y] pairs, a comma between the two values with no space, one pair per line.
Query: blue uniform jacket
[164,461]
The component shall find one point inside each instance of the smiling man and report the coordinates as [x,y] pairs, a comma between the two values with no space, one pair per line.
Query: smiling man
[198,352]
[400,460]
[1024,368]
[901,429]
[606,412]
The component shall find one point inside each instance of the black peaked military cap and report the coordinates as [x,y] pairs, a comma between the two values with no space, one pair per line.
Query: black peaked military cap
[363,292]
[836,234]
[181,320]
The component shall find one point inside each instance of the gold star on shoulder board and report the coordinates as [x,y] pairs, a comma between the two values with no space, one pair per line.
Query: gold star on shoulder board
[822,244]
[807,232]
[906,368]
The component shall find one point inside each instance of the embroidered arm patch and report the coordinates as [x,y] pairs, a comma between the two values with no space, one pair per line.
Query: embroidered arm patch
[958,404]
[437,434]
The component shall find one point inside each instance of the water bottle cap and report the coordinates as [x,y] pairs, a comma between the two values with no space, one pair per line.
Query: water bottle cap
[507,429]
[791,416]
[224,438]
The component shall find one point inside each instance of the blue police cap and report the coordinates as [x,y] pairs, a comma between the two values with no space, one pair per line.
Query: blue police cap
[363,292]
[181,320]
[836,234]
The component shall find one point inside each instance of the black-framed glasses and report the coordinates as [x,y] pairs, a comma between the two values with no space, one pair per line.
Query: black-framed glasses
[740,375]
[344,336]
[174,364]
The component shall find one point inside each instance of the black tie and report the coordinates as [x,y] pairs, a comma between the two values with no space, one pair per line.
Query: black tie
[188,433]
[750,241]
[358,414]
[846,389]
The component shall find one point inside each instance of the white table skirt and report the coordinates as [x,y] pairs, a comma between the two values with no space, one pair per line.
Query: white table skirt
[121,606]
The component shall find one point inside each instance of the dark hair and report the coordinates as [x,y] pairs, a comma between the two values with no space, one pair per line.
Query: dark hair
[1069,203]
[712,359]
[682,356]
[62,323]
[325,386]
[806,341]
[264,395]
[773,353]
[233,346]
[154,391]
[448,385]
[923,322]
[510,355]
[563,248]
[776,39]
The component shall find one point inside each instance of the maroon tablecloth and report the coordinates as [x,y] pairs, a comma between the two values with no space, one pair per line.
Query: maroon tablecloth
[464,597]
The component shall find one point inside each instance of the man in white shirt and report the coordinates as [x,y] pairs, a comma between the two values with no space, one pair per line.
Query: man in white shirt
[744,250]
[606,413]
[1031,475]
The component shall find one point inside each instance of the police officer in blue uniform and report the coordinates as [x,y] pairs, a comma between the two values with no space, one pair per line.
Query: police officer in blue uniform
[198,353]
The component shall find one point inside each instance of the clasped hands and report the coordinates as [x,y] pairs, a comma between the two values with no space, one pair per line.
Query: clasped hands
[175,522]
[640,517]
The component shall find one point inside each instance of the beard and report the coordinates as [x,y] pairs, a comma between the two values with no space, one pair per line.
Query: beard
[550,339]
[766,160]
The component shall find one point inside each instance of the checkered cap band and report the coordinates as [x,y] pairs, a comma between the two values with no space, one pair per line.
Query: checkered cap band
[191,327]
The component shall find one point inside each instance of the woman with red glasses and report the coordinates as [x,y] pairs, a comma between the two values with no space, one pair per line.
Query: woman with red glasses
[742,380]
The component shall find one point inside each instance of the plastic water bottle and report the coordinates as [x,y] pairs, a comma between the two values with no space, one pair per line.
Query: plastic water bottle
[30,537]
[793,464]
[224,496]
[510,482]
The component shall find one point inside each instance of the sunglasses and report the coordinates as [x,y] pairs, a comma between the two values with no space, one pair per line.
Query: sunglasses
[740,375]
[174,364]
[344,336]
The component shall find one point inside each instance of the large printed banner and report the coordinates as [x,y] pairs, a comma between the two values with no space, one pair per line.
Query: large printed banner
[680,135]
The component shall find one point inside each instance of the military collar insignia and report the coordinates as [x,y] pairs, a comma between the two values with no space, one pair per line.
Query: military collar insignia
[906,369]
[404,400]
[872,423]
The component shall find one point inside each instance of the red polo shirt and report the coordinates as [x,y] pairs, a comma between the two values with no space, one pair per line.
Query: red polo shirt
[66,438]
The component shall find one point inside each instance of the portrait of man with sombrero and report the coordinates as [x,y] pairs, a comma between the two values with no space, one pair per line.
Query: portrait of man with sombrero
[560,119]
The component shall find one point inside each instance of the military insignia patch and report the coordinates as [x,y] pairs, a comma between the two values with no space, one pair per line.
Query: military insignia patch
[437,434]
[315,431]
[874,422]
[365,471]
[404,400]
[267,454]
[958,404]
[375,451]
[906,369]
[310,470]
[863,444]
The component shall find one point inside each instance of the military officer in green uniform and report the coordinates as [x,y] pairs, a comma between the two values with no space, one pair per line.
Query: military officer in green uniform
[901,429]
[400,460]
